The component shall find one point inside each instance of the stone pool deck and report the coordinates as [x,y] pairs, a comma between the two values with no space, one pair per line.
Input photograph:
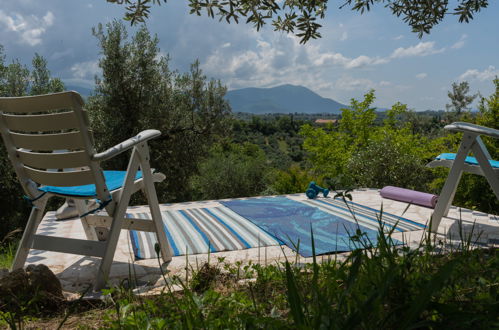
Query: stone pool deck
[76,273]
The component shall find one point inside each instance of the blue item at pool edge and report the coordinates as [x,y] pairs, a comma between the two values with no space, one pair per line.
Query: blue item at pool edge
[313,190]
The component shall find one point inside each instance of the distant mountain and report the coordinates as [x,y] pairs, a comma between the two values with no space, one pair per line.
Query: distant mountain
[281,99]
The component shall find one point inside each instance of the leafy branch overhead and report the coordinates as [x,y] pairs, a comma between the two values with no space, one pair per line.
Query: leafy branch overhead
[300,17]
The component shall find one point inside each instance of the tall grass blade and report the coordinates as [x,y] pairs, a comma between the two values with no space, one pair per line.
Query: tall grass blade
[294,299]
[353,271]
[316,292]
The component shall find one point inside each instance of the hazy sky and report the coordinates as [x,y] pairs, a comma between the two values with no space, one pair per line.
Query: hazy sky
[356,53]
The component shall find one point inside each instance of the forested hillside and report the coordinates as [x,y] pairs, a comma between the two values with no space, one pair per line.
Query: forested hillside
[281,99]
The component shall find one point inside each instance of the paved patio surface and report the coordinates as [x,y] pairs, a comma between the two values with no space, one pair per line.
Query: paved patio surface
[77,272]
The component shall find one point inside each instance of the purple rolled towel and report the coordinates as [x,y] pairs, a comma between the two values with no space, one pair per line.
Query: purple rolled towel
[409,196]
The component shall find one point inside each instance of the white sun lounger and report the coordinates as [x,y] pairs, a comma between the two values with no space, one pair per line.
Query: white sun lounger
[481,164]
[32,128]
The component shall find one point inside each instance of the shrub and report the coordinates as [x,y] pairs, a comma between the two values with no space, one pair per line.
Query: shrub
[389,159]
[231,170]
[293,180]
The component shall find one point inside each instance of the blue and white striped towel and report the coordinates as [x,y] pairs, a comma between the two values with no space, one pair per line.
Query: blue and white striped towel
[199,230]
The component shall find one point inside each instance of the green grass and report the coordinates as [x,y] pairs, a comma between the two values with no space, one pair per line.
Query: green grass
[381,287]
[386,287]
[7,253]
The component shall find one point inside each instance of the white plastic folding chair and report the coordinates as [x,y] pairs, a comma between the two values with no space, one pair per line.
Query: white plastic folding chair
[481,164]
[32,128]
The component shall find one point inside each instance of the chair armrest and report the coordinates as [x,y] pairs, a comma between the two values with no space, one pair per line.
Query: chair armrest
[472,128]
[127,144]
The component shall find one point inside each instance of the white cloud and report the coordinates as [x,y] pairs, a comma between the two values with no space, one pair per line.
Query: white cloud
[281,59]
[61,54]
[348,83]
[29,28]
[460,43]
[473,74]
[344,36]
[421,75]
[363,60]
[85,70]
[398,37]
[83,74]
[421,49]
[278,61]
[332,58]
[320,58]
[48,19]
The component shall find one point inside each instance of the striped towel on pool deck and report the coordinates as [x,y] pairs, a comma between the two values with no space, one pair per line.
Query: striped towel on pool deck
[199,230]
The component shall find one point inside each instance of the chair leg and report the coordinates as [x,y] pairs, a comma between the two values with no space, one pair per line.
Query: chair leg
[82,208]
[482,155]
[450,186]
[152,198]
[117,224]
[34,220]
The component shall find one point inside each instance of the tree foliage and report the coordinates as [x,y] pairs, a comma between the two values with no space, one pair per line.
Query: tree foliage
[357,121]
[361,152]
[460,98]
[365,152]
[139,91]
[300,17]
[331,148]
[41,82]
[276,134]
[423,15]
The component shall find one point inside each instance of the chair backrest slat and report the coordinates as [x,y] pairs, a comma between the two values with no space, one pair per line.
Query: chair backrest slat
[39,103]
[41,123]
[60,179]
[48,142]
[54,160]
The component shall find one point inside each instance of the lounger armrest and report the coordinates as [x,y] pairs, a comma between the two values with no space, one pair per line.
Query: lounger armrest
[126,145]
[472,128]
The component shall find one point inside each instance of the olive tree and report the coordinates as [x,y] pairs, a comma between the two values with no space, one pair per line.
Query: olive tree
[138,91]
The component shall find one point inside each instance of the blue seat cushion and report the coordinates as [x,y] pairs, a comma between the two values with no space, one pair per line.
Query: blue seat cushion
[114,180]
[470,160]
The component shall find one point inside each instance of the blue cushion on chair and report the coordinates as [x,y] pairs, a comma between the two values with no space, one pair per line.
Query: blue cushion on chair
[469,160]
[114,180]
